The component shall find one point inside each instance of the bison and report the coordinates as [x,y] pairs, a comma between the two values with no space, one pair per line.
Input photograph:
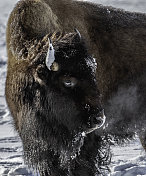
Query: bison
[55,93]
[53,96]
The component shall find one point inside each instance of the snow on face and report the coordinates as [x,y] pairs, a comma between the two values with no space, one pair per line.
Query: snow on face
[91,63]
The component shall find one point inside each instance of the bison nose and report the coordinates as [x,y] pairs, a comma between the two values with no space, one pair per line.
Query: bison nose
[96,121]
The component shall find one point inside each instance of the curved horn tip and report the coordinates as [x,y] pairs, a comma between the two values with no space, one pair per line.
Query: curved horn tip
[76,30]
[50,41]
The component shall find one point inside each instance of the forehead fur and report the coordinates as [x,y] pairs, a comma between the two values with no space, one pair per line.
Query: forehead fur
[70,45]
[72,55]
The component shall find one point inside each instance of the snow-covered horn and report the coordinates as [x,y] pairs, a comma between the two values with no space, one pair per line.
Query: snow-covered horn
[51,58]
[78,33]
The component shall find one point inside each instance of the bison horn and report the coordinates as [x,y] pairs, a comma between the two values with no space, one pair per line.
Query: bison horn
[78,33]
[51,58]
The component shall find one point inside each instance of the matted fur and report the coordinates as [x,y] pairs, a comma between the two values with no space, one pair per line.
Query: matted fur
[116,39]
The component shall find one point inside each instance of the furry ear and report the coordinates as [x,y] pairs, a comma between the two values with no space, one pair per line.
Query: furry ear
[54,66]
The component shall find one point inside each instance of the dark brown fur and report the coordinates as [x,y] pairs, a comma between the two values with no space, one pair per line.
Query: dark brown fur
[112,37]
[117,39]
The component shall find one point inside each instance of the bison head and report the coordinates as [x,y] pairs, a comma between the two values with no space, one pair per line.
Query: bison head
[61,101]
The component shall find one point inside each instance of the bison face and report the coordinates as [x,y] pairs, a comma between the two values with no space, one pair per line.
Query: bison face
[65,104]
[69,89]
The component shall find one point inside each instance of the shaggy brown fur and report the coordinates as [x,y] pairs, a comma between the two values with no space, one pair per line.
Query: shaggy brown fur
[112,35]
[117,39]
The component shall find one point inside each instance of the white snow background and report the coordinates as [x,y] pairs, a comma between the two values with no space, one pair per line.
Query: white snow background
[127,160]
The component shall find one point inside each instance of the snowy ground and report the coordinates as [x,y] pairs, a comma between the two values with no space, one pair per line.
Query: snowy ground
[128,160]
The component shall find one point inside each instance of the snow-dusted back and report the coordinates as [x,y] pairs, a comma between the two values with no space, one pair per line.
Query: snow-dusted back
[128,160]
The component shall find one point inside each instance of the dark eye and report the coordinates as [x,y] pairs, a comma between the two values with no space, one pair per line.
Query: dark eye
[40,69]
[69,81]
[41,72]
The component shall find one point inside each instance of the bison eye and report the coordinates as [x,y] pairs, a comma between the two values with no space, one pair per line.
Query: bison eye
[69,81]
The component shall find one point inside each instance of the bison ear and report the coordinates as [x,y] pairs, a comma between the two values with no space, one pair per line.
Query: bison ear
[51,65]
